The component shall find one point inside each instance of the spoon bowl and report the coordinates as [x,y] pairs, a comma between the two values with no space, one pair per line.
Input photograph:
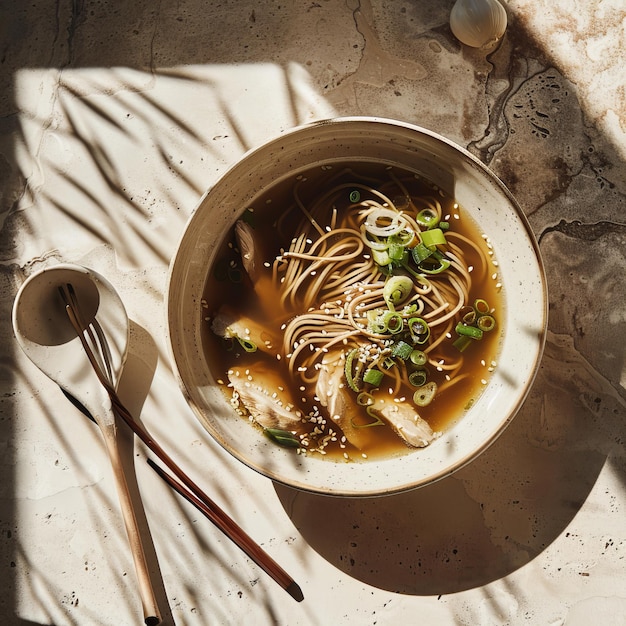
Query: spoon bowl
[45,333]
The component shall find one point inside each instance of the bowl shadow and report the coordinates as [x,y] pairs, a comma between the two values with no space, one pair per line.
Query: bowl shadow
[478,525]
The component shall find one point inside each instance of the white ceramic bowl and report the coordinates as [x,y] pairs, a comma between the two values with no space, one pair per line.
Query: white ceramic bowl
[452,169]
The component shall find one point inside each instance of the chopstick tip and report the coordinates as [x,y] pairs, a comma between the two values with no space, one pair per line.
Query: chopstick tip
[294,591]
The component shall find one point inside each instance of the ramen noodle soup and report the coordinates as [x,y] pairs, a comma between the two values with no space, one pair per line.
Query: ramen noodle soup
[353,312]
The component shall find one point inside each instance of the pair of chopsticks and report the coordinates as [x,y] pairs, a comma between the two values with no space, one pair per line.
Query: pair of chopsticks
[182,484]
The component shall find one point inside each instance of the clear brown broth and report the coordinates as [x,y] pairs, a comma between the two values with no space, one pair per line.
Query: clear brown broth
[275,218]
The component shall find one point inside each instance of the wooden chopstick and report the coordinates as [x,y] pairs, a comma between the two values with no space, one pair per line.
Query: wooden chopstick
[235,533]
[187,487]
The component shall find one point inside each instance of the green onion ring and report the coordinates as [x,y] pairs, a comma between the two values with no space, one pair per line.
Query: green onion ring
[424,395]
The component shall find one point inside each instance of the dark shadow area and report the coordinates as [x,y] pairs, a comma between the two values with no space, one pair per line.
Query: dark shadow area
[483,523]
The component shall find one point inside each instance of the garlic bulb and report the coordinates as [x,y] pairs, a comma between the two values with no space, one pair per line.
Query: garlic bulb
[478,23]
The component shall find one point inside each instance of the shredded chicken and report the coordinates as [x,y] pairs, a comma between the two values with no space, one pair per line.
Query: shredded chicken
[245,240]
[274,409]
[407,423]
[229,324]
[336,398]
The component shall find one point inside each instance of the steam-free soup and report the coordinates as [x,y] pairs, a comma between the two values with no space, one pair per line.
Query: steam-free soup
[354,312]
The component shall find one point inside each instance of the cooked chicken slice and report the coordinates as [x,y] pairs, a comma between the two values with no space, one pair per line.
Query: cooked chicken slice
[336,398]
[244,234]
[228,323]
[258,390]
[403,418]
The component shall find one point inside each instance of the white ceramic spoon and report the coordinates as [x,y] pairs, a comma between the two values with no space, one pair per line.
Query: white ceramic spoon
[44,331]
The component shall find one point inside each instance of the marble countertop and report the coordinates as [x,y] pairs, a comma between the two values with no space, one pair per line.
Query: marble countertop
[114,120]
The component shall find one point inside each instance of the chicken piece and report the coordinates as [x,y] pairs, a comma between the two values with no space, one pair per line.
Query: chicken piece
[228,323]
[407,423]
[259,390]
[254,252]
[337,399]
[250,253]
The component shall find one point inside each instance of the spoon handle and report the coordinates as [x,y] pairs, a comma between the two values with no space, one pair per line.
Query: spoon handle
[148,600]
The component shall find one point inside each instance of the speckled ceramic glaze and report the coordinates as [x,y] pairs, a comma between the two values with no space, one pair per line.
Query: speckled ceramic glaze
[456,172]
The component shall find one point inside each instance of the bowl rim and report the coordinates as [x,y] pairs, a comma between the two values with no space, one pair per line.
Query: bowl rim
[476,451]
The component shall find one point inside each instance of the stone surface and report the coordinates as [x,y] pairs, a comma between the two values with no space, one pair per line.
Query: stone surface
[114,120]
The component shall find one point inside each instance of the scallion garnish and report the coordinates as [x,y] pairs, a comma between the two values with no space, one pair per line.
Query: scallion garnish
[473,332]
[418,357]
[420,253]
[486,323]
[425,394]
[246,344]
[283,438]
[402,349]
[420,332]
[373,377]
[418,378]
[433,238]
[426,218]
[481,307]
[351,377]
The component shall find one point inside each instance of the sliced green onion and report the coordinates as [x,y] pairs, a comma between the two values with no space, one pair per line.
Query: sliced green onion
[396,290]
[432,238]
[418,378]
[381,322]
[469,317]
[468,331]
[404,237]
[444,264]
[373,377]
[462,342]
[402,349]
[394,322]
[444,225]
[425,394]
[395,251]
[426,218]
[481,306]
[246,344]
[420,253]
[486,323]
[420,332]
[418,357]
[282,437]
[355,196]
[348,369]
[365,399]
[381,257]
